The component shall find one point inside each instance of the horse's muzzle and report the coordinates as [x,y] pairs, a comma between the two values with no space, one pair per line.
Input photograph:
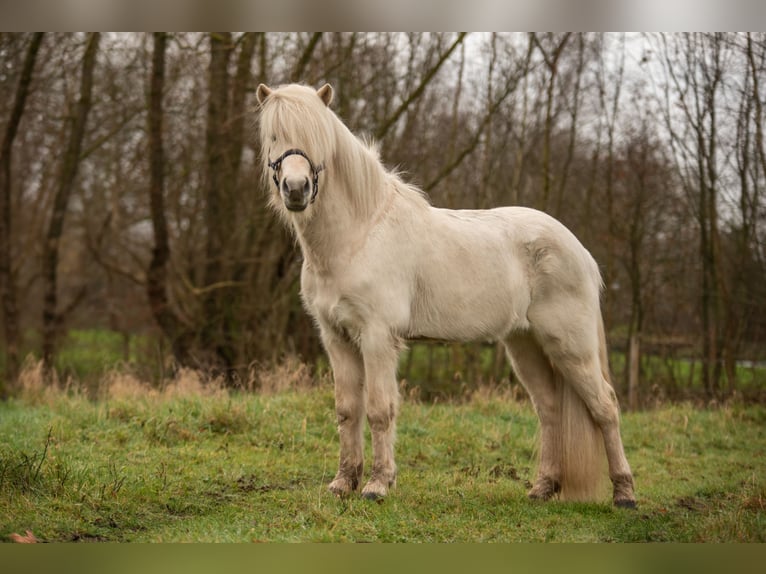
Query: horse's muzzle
[295,207]
[296,194]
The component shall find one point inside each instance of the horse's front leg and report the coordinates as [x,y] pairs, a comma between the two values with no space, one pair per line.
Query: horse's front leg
[348,372]
[380,355]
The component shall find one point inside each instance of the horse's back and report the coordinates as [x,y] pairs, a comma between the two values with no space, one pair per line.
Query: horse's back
[479,271]
[476,272]
[545,246]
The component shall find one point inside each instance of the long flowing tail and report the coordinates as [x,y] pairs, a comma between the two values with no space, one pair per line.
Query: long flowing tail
[583,466]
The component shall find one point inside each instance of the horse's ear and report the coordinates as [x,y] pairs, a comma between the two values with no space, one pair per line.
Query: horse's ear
[262,93]
[325,93]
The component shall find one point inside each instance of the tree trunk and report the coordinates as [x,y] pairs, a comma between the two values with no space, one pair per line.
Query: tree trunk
[67,176]
[634,349]
[7,280]
[225,141]
[713,296]
[234,302]
[218,168]
[156,277]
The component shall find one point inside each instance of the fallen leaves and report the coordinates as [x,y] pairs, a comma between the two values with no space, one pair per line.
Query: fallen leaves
[27,538]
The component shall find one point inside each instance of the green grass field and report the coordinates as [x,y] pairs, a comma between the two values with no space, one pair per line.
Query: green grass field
[190,464]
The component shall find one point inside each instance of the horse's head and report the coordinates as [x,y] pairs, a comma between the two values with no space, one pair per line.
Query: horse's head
[294,141]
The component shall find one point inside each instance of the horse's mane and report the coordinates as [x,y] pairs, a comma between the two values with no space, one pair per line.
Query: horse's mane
[296,115]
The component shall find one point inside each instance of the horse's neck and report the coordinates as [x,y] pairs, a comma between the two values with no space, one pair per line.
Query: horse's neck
[338,229]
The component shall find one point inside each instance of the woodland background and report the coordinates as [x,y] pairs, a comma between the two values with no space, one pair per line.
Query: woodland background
[132,207]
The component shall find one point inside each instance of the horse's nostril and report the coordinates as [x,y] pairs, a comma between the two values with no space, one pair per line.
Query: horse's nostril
[285,187]
[307,186]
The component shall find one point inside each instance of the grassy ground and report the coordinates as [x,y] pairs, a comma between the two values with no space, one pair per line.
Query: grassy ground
[194,464]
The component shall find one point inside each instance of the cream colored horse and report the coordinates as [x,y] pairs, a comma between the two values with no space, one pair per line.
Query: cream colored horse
[382,266]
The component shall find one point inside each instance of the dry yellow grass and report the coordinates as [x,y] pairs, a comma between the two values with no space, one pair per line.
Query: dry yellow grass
[290,374]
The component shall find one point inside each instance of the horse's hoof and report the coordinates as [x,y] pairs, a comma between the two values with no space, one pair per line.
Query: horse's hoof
[373,496]
[625,503]
[374,490]
[538,496]
[544,489]
[338,492]
[341,488]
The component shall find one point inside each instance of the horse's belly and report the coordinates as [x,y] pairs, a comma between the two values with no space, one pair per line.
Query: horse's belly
[468,310]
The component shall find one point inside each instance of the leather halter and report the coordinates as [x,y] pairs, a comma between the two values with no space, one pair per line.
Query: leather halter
[277,164]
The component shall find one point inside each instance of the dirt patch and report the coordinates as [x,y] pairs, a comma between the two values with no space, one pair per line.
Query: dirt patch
[250,483]
[691,503]
[86,537]
[757,503]
[502,470]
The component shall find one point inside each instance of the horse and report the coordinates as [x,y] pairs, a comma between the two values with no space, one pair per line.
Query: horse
[382,266]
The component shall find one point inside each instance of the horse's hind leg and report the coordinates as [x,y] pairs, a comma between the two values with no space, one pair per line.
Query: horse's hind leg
[534,370]
[380,361]
[599,397]
[575,345]
[348,372]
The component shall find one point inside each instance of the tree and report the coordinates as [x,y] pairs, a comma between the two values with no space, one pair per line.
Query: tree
[52,315]
[642,197]
[156,277]
[695,64]
[7,280]
[224,146]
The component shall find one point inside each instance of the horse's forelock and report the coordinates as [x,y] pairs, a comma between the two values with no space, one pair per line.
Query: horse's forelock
[297,118]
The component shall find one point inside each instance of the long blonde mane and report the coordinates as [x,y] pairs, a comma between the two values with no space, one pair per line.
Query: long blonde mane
[294,117]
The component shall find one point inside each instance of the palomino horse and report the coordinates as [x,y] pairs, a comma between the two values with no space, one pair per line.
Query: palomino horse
[382,266]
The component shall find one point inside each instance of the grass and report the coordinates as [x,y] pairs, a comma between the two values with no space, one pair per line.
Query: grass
[195,463]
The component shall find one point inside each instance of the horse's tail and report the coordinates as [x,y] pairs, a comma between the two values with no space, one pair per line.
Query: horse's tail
[583,458]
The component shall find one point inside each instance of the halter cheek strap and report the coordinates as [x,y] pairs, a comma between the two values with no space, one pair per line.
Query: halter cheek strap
[276,165]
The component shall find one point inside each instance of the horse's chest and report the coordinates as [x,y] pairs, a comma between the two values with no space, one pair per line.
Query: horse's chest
[334,307]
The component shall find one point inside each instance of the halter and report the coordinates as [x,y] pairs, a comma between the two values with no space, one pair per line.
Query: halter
[277,164]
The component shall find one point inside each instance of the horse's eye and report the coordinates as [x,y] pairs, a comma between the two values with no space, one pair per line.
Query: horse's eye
[273,137]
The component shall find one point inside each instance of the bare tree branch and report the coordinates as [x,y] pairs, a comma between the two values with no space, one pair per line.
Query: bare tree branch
[303,62]
[417,92]
[510,86]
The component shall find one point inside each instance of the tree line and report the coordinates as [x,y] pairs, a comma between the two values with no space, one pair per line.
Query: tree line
[131,197]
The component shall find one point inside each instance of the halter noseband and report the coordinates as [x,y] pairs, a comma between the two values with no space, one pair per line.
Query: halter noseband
[277,164]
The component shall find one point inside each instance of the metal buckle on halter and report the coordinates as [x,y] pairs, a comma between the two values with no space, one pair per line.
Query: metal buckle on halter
[277,164]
